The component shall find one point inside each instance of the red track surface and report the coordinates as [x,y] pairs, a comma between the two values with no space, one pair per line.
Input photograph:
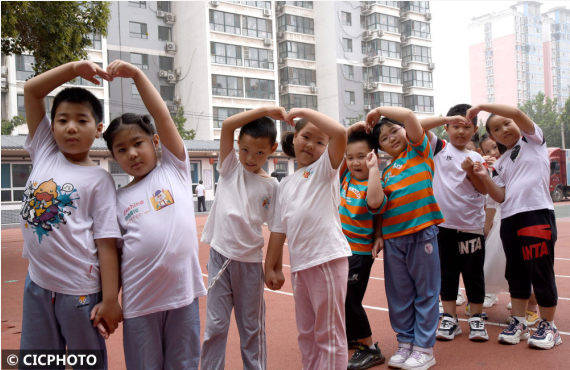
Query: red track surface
[283,352]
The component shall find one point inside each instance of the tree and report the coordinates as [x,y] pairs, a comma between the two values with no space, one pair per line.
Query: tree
[9,125]
[54,32]
[179,121]
[542,110]
[565,121]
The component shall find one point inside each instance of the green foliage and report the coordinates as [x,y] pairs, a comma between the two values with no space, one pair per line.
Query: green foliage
[54,32]
[542,110]
[9,125]
[179,121]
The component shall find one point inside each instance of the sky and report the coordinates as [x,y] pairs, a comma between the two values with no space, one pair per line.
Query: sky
[450,53]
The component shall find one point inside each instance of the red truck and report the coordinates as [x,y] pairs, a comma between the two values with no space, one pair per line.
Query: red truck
[559,173]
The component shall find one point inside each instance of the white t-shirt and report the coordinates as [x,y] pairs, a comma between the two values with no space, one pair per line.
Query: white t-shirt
[65,208]
[307,212]
[524,171]
[200,190]
[159,268]
[244,201]
[461,204]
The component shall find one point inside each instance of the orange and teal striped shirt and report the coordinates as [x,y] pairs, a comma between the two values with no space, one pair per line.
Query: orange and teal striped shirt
[408,183]
[356,218]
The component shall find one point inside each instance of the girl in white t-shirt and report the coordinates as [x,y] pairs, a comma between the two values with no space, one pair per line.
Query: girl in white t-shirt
[528,226]
[306,212]
[160,271]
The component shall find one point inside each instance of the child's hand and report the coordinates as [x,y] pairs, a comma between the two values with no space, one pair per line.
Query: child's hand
[358,126]
[457,120]
[467,165]
[371,160]
[100,326]
[472,112]
[120,68]
[88,70]
[294,113]
[274,279]
[377,246]
[479,170]
[372,119]
[490,160]
[107,315]
[277,113]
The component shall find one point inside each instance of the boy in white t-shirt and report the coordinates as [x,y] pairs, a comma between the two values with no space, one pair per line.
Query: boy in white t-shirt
[200,194]
[245,199]
[461,240]
[68,219]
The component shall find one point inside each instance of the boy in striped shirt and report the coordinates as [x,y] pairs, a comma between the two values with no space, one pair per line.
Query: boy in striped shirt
[409,219]
[358,206]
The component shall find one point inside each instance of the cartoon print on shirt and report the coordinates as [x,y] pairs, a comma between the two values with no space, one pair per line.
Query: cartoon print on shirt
[160,199]
[46,204]
[266,202]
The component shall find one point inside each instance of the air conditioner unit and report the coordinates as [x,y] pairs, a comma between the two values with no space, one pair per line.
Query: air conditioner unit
[280,35]
[169,18]
[160,13]
[267,13]
[267,42]
[366,9]
[380,33]
[367,34]
[431,66]
[368,60]
[283,88]
[428,16]
[171,77]
[367,107]
[214,3]
[404,38]
[405,64]
[4,83]
[177,72]
[162,73]
[281,61]
[170,46]
[381,59]
[4,71]
[314,89]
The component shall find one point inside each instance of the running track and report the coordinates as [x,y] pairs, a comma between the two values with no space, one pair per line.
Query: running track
[282,347]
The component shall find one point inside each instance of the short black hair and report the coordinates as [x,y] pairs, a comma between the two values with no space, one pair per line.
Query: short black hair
[461,110]
[200,182]
[259,128]
[78,95]
[358,136]
[143,121]
[376,130]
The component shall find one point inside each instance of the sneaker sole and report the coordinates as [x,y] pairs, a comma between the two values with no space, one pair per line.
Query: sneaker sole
[372,364]
[425,366]
[394,365]
[479,338]
[446,337]
[507,340]
[539,345]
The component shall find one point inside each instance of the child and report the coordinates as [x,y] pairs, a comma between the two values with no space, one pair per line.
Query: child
[409,216]
[160,270]
[528,227]
[317,246]
[461,241]
[358,206]
[68,219]
[245,199]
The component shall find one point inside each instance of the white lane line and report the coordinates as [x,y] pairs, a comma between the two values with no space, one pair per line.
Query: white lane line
[562,259]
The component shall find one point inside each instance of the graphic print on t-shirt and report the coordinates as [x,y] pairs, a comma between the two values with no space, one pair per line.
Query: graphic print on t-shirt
[46,204]
[266,202]
[160,199]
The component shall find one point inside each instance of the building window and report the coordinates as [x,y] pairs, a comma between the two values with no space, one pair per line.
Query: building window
[382,22]
[164,33]
[195,174]
[14,178]
[134,90]
[258,4]
[347,45]
[21,107]
[348,71]
[388,49]
[227,85]
[416,29]
[167,92]
[386,98]
[258,58]
[138,4]
[349,97]
[259,89]
[385,74]
[298,76]
[221,113]
[289,101]
[419,103]
[296,23]
[346,18]
[418,79]
[415,6]
[139,60]
[165,6]
[225,54]
[416,53]
[225,22]
[166,63]
[296,50]
[95,41]
[24,67]
[257,27]
[138,30]
[282,166]
[301,4]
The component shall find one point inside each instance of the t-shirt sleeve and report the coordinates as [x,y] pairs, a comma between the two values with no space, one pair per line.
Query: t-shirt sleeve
[103,207]
[422,147]
[229,164]
[278,225]
[538,136]
[498,178]
[169,160]
[324,166]
[42,144]
[378,210]
[491,203]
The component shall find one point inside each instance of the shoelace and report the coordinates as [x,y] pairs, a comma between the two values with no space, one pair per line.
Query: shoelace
[416,355]
[402,351]
[477,324]
[512,325]
[360,354]
[542,328]
[447,323]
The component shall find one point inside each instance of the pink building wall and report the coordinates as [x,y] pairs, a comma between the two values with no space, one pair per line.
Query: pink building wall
[505,68]
[477,73]
[547,69]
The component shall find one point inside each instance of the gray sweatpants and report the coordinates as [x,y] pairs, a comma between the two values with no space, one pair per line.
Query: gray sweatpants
[55,321]
[239,286]
[167,340]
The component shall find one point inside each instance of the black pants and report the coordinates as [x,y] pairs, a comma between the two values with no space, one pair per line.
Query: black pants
[528,240]
[202,204]
[461,253]
[357,325]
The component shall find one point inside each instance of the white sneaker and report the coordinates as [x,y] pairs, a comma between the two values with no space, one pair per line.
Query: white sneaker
[546,337]
[510,306]
[448,328]
[440,307]
[399,358]
[490,300]
[419,360]
[514,333]
[477,331]
[460,299]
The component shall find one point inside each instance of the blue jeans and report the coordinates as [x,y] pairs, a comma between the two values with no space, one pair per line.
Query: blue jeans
[413,280]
